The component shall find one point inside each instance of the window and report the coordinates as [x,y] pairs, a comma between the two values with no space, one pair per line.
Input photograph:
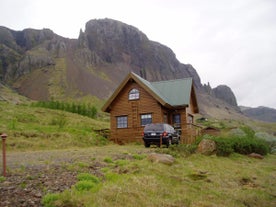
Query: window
[190,119]
[133,94]
[146,119]
[176,120]
[121,122]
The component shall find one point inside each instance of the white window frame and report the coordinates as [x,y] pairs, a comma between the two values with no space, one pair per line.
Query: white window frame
[133,94]
[146,118]
[121,122]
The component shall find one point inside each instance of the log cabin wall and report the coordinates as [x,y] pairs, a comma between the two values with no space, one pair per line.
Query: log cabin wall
[133,109]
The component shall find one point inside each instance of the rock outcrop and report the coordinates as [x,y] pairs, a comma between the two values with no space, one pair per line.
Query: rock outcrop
[225,93]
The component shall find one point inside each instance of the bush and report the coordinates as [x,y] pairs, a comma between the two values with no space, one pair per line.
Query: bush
[249,145]
[224,146]
[269,139]
[240,144]
[250,133]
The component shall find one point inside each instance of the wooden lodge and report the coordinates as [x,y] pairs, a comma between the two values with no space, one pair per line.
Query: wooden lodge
[137,102]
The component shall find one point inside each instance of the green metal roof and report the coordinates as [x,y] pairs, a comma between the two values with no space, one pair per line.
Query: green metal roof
[173,92]
[176,92]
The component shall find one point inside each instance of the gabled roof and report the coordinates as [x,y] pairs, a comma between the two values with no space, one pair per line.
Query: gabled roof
[172,93]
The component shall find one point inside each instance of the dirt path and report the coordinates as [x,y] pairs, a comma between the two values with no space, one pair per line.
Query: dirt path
[31,175]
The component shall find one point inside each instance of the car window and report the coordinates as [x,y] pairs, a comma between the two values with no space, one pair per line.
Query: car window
[154,127]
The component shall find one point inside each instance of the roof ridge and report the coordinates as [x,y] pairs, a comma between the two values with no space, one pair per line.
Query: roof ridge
[173,80]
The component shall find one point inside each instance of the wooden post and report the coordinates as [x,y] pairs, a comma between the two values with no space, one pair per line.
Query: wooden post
[4,136]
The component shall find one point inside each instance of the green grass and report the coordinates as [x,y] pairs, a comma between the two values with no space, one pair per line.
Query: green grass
[194,180]
[30,128]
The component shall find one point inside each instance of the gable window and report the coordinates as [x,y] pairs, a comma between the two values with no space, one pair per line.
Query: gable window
[121,122]
[146,119]
[133,94]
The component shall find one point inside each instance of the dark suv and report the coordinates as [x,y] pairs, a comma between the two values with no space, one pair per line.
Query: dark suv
[153,133]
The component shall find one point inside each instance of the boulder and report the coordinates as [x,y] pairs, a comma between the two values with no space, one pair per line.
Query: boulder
[207,147]
[161,158]
[256,155]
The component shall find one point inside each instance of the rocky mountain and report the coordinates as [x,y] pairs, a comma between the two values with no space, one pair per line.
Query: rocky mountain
[225,93]
[41,65]
[260,113]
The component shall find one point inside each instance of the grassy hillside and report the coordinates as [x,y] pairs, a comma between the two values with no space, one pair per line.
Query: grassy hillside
[34,128]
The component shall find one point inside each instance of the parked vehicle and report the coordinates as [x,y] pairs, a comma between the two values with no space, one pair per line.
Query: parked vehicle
[160,133]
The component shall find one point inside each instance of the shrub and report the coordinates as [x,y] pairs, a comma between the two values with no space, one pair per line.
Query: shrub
[224,146]
[250,133]
[249,145]
[269,139]
[244,144]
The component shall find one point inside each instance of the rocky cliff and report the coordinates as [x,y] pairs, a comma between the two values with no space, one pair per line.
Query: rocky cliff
[103,54]
[42,65]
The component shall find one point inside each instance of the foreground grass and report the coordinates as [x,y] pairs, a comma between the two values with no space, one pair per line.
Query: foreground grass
[125,177]
[32,128]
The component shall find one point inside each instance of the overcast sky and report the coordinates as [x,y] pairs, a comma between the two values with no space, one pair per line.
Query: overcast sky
[231,42]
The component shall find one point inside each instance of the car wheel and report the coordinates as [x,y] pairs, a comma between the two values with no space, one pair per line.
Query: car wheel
[147,145]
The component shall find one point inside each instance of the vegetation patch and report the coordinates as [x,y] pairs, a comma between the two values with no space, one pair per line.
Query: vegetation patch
[78,108]
[242,141]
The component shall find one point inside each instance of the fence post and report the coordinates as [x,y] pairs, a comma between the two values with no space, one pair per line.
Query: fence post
[4,136]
